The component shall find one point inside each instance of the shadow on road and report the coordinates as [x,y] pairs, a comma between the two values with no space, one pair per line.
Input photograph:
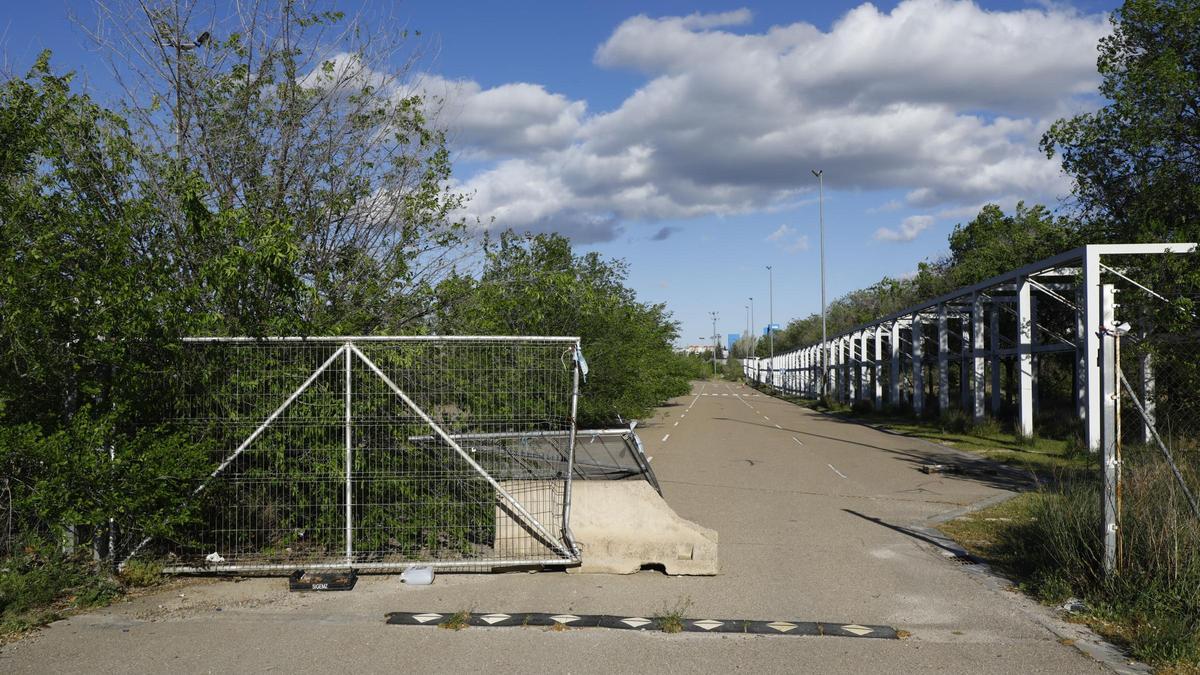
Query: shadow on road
[957,552]
[966,467]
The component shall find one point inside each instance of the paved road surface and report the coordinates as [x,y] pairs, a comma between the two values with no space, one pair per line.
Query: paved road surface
[816,522]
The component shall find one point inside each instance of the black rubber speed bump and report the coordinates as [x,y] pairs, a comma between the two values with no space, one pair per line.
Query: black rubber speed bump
[641,623]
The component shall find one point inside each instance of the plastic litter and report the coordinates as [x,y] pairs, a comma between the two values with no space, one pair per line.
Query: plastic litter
[417,575]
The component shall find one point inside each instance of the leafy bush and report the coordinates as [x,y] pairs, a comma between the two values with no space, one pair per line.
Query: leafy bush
[40,581]
[140,573]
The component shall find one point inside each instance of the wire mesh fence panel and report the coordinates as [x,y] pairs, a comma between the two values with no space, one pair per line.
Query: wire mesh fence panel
[1159,414]
[346,452]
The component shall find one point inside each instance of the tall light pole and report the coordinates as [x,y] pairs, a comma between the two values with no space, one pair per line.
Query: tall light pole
[753,341]
[181,46]
[715,337]
[820,174]
[747,327]
[771,310]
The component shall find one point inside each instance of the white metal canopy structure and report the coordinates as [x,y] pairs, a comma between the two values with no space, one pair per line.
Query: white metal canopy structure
[993,321]
[994,337]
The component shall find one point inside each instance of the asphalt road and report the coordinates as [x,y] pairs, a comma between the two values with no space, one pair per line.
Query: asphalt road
[819,520]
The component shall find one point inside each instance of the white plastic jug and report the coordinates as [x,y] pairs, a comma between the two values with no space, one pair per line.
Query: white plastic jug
[417,575]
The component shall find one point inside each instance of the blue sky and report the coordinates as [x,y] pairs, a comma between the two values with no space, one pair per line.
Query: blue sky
[680,136]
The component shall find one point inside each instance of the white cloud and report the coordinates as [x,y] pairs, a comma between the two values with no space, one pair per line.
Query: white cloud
[789,239]
[783,232]
[909,228]
[938,98]
[510,119]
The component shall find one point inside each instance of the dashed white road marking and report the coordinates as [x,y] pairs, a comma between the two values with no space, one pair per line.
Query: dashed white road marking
[677,424]
[778,427]
[664,440]
[835,470]
[797,440]
[766,418]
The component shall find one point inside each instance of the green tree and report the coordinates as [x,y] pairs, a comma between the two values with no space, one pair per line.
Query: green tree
[1136,161]
[995,242]
[296,170]
[536,285]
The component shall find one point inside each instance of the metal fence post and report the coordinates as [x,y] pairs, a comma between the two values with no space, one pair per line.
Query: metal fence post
[349,469]
[568,536]
[1108,430]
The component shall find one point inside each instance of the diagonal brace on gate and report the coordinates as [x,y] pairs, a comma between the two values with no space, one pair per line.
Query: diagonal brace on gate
[507,498]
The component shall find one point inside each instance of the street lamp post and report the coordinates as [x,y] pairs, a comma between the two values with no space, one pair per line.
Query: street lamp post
[747,328]
[771,319]
[715,337]
[820,174]
[181,46]
[753,341]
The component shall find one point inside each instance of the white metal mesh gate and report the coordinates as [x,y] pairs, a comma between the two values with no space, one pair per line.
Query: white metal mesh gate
[335,452]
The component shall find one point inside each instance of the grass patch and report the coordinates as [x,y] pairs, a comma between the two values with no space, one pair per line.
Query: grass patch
[1049,543]
[457,621]
[671,617]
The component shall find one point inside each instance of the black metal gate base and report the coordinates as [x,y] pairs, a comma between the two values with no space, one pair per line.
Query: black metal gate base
[498,620]
[322,581]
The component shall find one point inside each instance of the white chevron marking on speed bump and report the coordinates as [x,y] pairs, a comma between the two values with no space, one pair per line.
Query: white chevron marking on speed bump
[564,618]
[494,619]
[857,629]
[781,626]
[708,624]
[426,618]
[635,622]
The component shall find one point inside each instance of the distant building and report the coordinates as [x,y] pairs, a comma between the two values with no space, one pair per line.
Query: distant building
[697,349]
[733,338]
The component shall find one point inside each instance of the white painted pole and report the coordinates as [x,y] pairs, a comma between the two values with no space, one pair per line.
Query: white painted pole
[877,369]
[1108,399]
[964,363]
[894,347]
[943,361]
[852,367]
[918,376]
[864,367]
[980,380]
[1092,321]
[1146,368]
[349,468]
[1024,357]
[997,383]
